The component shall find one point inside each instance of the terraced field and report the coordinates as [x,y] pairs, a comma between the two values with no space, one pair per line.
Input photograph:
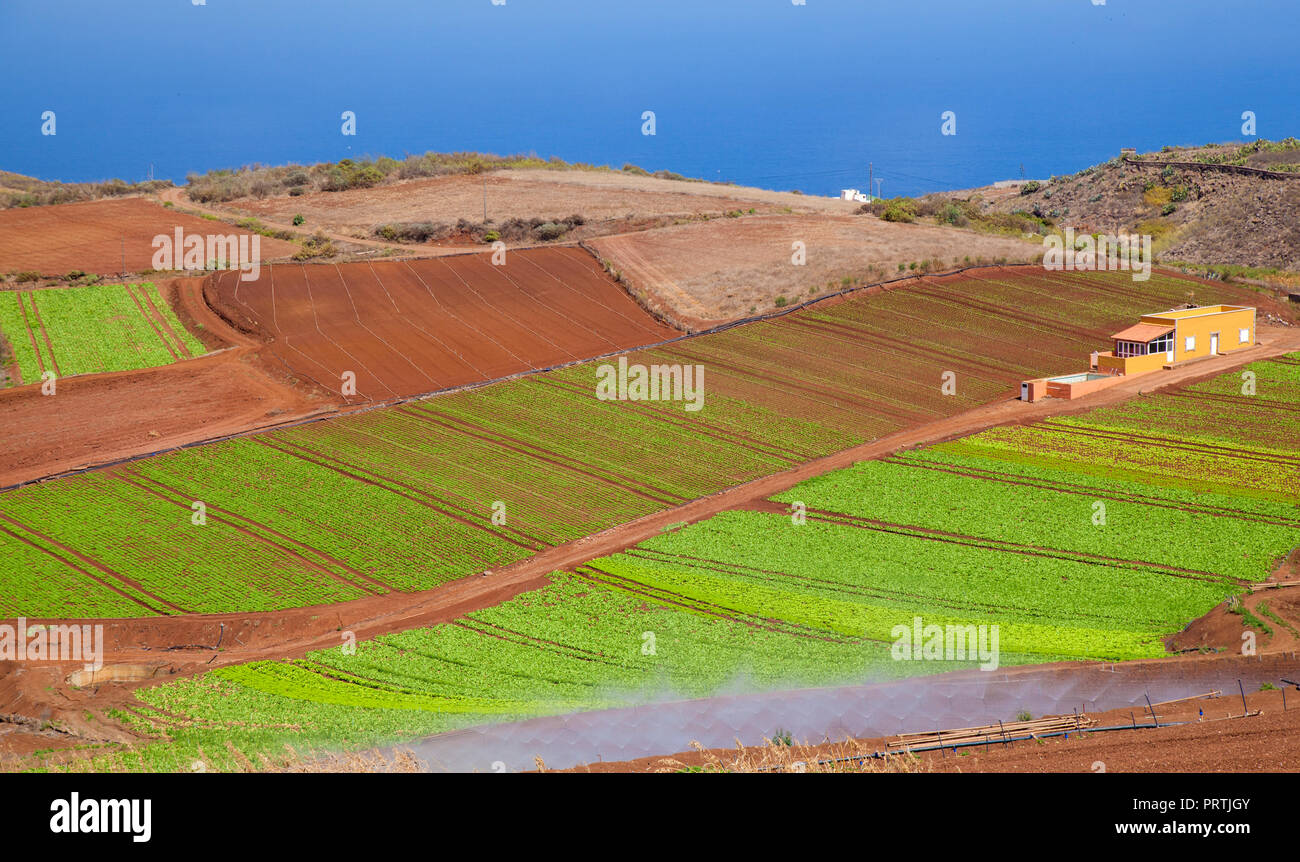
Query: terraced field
[99,328]
[570,646]
[404,328]
[1000,529]
[409,497]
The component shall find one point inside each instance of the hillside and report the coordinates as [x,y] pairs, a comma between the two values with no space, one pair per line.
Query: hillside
[17,190]
[1206,214]
[440,200]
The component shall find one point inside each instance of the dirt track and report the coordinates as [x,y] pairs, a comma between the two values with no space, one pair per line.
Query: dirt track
[185,645]
[104,236]
[411,327]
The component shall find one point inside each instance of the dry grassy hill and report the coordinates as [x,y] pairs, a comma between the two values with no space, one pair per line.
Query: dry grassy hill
[1202,212]
[459,199]
[17,190]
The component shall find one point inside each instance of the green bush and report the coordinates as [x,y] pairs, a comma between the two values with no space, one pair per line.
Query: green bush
[413,231]
[1030,187]
[1168,209]
[900,210]
[952,214]
[298,219]
[550,231]
[318,245]
[349,175]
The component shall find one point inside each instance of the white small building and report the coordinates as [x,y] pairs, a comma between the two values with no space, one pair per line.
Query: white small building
[854,195]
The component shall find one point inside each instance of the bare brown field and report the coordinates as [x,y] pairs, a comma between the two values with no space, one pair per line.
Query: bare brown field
[105,236]
[703,273]
[608,200]
[99,418]
[410,327]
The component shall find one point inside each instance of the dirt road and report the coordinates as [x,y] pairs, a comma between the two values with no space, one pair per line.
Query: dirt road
[292,633]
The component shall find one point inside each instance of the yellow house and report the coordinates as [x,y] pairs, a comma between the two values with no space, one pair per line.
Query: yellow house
[1170,337]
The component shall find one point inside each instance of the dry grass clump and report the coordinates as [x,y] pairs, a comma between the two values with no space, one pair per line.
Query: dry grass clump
[400,760]
[788,756]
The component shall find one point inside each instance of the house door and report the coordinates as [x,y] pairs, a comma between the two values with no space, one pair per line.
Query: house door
[1214,344]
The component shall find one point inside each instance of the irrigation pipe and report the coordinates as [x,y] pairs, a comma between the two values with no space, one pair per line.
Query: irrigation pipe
[880,755]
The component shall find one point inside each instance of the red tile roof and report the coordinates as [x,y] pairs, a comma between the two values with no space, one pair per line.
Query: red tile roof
[1142,332]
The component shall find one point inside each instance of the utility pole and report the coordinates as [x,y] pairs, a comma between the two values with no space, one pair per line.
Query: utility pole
[878,182]
[870,170]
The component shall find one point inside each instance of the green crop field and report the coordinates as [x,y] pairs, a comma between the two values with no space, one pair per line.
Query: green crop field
[406,498]
[1002,529]
[570,646]
[99,328]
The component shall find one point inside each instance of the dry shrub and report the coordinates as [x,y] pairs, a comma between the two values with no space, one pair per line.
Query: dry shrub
[848,756]
[401,760]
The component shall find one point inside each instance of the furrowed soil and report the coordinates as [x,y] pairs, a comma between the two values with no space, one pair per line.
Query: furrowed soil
[410,327]
[104,236]
[167,647]
[95,419]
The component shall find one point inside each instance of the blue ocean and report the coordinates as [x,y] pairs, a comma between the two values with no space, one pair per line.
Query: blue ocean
[774,93]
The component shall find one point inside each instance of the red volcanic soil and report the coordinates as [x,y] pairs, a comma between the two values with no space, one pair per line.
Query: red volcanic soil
[412,327]
[105,236]
[1206,734]
[96,418]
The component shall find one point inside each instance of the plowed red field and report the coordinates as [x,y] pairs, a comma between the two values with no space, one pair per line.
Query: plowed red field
[410,327]
[101,236]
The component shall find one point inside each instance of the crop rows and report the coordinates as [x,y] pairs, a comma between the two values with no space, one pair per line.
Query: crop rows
[571,645]
[988,530]
[1147,525]
[91,329]
[404,498]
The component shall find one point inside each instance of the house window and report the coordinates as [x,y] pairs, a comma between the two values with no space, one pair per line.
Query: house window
[1190,346]
[1243,336]
[1163,344]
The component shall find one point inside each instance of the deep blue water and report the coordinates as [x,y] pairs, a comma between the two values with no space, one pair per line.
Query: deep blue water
[760,92]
